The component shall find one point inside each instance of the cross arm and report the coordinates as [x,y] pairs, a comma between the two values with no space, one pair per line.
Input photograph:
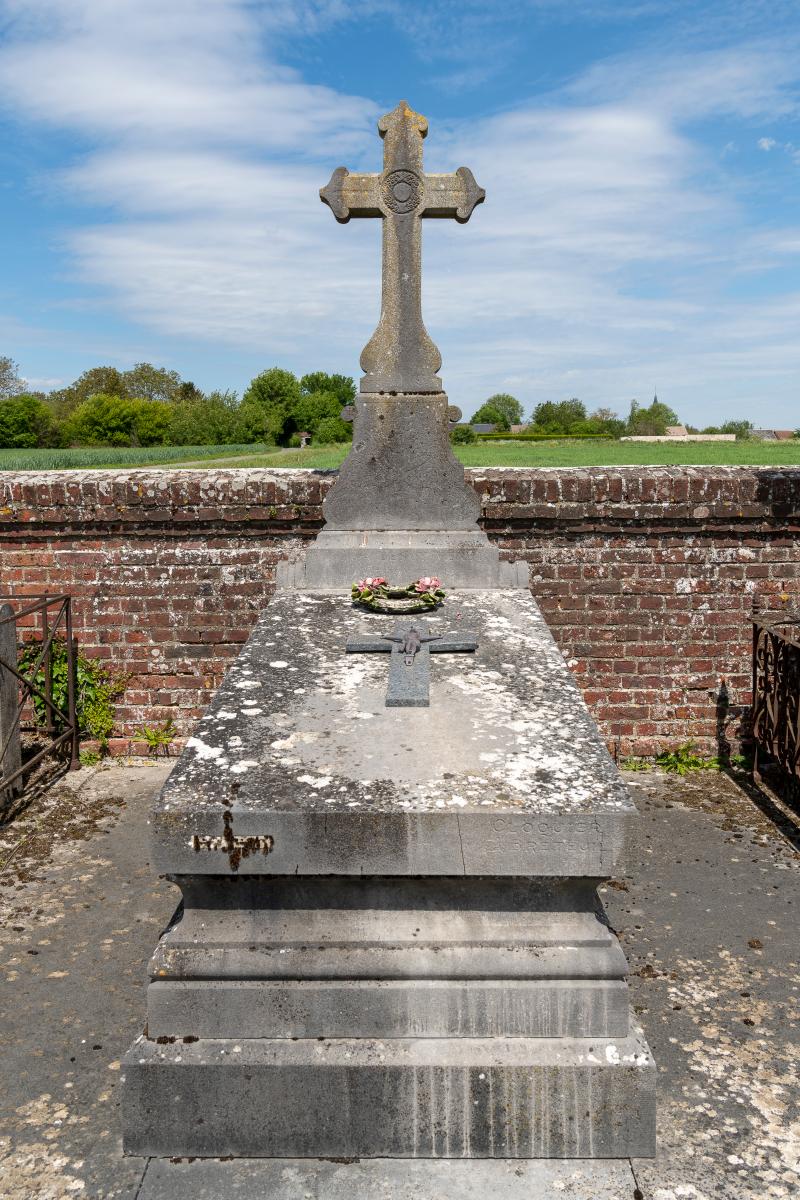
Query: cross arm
[351,195]
[453,643]
[452,195]
[362,646]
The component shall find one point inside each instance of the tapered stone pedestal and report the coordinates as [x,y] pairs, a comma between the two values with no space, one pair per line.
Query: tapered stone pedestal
[401,506]
[390,942]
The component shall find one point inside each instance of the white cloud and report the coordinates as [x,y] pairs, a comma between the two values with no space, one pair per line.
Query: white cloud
[766,143]
[139,71]
[601,262]
[750,80]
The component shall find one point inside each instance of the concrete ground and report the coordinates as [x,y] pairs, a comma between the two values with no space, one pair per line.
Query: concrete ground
[708,918]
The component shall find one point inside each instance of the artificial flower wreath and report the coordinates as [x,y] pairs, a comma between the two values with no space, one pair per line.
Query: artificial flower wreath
[376,593]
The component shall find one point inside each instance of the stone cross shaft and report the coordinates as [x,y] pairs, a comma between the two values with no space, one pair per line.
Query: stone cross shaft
[410,665]
[400,356]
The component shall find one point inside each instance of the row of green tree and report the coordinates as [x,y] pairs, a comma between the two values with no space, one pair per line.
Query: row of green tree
[570,418]
[151,406]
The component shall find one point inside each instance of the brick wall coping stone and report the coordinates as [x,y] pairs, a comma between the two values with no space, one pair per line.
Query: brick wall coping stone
[257,500]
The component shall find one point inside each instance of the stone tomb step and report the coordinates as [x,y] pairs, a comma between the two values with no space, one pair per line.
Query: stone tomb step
[387,1008]
[387,1179]
[325,928]
[327,957]
[403,1098]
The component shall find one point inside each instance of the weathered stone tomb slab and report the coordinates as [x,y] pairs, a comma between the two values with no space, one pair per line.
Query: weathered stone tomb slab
[298,767]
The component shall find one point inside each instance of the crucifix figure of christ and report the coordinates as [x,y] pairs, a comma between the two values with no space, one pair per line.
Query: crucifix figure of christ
[400,356]
[410,664]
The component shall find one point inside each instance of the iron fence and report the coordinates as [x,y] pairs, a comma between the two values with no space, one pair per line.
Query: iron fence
[48,622]
[776,694]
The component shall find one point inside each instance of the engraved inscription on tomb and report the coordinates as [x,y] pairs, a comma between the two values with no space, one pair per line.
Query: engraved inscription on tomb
[519,838]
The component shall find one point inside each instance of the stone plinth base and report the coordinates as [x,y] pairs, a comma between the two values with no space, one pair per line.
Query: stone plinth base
[460,558]
[402,1098]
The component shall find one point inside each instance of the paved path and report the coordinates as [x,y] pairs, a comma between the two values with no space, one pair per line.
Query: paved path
[708,918]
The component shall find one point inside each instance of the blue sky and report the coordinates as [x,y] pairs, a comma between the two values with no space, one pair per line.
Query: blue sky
[160,167]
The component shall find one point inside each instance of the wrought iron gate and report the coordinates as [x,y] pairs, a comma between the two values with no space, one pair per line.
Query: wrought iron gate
[776,693]
[48,621]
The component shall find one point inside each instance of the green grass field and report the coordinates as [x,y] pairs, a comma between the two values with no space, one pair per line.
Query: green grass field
[483,454]
[104,456]
[553,454]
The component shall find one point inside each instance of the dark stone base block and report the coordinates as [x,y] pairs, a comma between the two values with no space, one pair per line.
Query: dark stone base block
[403,1098]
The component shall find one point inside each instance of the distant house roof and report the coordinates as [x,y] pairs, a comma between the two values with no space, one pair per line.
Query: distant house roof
[676,431]
[784,435]
[483,427]
[766,435]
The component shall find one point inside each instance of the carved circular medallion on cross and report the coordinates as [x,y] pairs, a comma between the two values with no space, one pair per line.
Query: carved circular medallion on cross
[401,190]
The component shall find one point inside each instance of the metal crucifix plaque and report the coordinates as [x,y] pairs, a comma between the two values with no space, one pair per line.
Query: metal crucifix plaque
[410,665]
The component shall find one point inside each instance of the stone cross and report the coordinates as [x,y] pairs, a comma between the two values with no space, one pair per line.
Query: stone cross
[410,664]
[400,356]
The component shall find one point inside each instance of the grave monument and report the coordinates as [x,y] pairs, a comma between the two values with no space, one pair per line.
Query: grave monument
[401,497]
[390,943]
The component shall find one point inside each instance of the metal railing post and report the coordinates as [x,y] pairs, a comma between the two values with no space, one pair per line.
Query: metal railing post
[48,672]
[72,682]
[754,701]
[10,744]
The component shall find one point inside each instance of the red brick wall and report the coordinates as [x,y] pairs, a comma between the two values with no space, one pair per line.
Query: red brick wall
[647,576]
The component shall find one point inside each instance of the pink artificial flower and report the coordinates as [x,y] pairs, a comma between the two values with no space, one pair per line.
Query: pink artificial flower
[428,583]
[369,584]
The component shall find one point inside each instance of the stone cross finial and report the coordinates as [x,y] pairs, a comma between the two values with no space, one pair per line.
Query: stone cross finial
[400,356]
